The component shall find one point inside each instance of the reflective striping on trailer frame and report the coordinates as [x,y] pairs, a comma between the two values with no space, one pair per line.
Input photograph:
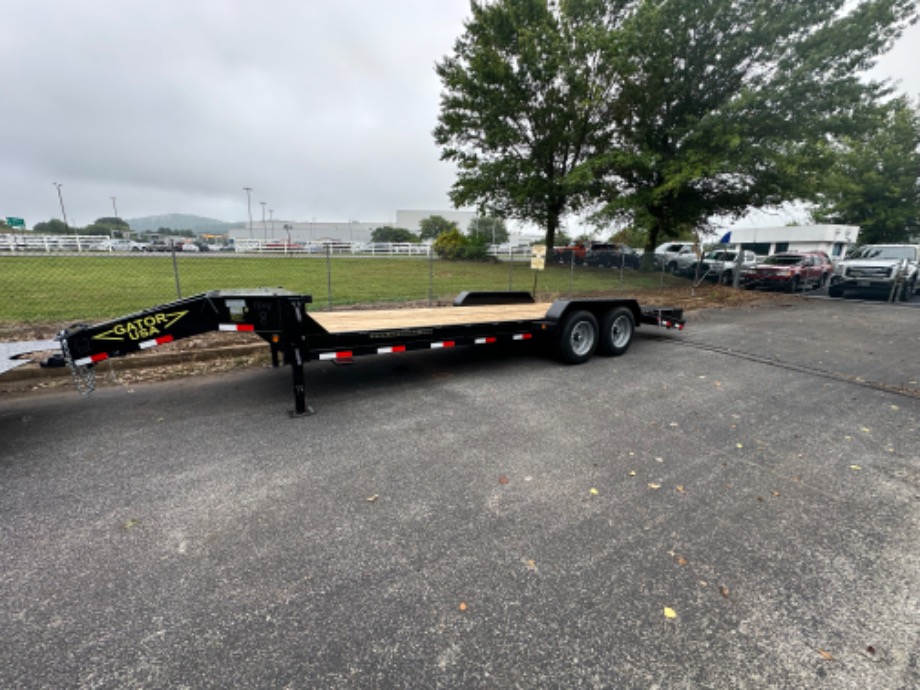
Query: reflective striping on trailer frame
[486,341]
[162,340]
[444,343]
[236,327]
[390,350]
[523,336]
[345,354]
[86,361]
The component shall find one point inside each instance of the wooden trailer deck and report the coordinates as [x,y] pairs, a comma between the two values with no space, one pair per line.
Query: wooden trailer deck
[391,319]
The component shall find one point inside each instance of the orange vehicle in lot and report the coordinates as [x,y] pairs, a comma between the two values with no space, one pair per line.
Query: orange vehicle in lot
[790,271]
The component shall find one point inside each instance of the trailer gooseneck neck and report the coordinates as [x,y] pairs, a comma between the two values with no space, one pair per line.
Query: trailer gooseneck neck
[575,328]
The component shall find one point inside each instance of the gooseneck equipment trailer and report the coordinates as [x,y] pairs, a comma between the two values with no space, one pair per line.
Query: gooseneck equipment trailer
[574,328]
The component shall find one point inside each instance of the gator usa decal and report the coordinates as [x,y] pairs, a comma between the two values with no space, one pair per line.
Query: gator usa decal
[142,328]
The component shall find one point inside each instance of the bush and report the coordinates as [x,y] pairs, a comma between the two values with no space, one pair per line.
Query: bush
[453,245]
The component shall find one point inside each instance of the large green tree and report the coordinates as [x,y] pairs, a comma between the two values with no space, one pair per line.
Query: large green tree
[432,227]
[666,112]
[388,233]
[875,182]
[726,105]
[52,227]
[523,104]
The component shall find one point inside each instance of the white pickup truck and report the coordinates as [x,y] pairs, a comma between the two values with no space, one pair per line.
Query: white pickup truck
[879,269]
[719,265]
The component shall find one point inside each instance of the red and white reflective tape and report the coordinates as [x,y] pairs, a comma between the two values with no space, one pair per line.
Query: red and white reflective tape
[486,341]
[162,340]
[390,350]
[345,354]
[523,336]
[236,327]
[86,361]
[445,343]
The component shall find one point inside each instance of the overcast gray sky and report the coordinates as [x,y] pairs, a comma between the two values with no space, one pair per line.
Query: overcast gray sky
[324,108]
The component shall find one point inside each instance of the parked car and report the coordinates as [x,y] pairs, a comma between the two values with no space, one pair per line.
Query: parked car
[876,268]
[613,255]
[160,246]
[719,265]
[791,271]
[119,246]
[666,255]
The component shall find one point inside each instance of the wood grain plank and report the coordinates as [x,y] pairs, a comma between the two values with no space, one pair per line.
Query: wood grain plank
[371,320]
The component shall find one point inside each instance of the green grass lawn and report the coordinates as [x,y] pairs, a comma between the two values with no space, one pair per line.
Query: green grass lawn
[77,288]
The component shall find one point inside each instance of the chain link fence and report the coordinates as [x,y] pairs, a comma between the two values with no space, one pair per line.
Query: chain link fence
[63,285]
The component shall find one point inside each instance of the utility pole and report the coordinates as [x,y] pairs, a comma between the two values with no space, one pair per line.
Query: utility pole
[264,226]
[61,199]
[115,210]
[248,191]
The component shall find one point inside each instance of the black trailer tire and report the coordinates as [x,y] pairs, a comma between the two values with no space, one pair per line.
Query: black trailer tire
[617,328]
[577,337]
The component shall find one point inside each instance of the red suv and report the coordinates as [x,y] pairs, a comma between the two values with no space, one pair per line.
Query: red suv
[791,271]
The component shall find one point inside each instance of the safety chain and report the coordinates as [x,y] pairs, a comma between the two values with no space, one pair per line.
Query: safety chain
[84,378]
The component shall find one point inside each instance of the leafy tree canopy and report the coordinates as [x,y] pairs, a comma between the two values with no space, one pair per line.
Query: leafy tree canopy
[390,234]
[523,104]
[433,226]
[488,230]
[665,112]
[52,227]
[876,181]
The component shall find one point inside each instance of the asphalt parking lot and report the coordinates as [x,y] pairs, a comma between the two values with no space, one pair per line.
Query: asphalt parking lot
[735,506]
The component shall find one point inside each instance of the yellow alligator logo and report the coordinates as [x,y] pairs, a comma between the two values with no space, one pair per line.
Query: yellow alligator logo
[143,327]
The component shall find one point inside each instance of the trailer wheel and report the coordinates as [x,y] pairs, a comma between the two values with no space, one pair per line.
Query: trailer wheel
[577,337]
[617,328]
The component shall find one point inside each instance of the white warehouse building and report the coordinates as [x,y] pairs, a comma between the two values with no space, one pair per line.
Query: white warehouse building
[835,240]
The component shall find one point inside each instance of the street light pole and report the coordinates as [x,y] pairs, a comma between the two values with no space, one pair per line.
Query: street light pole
[61,199]
[271,220]
[115,210]
[264,226]
[248,191]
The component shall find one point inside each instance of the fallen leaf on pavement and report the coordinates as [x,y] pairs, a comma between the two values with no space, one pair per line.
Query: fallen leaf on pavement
[372,499]
[681,560]
[669,612]
[855,467]
[680,489]
[503,480]
[653,485]
[594,491]
[724,591]
[462,606]
[826,655]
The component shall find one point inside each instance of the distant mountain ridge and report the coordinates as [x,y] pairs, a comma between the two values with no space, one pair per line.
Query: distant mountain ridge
[179,221]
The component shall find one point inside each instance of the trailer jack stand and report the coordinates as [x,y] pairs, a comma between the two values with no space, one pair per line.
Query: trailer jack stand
[301,408]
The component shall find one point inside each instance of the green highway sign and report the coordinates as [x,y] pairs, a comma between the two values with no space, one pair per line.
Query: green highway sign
[15,222]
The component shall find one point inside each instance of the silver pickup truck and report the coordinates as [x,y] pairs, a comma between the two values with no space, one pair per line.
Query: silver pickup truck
[879,269]
[717,265]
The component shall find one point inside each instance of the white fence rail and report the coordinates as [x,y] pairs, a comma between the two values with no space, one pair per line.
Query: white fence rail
[95,243]
[50,243]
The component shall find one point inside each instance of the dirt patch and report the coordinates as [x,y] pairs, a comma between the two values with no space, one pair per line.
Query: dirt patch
[213,352]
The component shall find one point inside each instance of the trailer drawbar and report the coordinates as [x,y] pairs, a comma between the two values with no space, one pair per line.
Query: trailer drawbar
[574,328]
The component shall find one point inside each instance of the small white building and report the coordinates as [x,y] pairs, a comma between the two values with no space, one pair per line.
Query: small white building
[835,240]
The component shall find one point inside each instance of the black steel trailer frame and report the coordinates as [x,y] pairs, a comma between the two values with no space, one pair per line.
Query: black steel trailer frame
[575,327]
